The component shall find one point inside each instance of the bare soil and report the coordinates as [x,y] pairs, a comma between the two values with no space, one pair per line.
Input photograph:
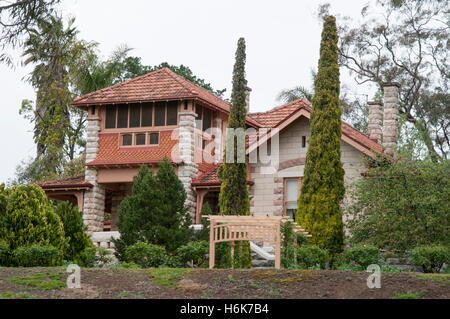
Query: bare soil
[233,284]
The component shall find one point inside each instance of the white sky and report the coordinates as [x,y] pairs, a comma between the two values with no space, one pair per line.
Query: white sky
[282,39]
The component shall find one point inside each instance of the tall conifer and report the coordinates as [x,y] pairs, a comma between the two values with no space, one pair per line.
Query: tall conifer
[323,185]
[233,197]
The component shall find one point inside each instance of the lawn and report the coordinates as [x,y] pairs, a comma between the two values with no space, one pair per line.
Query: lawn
[203,283]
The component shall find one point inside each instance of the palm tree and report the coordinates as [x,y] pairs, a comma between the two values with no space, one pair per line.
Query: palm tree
[295,93]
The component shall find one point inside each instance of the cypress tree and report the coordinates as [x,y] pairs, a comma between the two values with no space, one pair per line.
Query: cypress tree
[154,212]
[323,185]
[233,197]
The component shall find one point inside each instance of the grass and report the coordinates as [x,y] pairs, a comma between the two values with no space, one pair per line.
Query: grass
[167,277]
[44,281]
[252,284]
[12,295]
[126,294]
[408,295]
[443,279]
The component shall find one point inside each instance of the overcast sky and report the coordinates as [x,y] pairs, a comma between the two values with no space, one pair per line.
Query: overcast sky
[282,39]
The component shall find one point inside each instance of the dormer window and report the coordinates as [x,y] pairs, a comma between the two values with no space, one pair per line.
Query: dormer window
[141,115]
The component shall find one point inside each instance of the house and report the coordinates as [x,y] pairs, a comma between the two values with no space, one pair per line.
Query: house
[161,114]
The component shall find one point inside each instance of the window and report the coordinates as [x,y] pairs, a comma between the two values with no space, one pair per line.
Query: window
[140,139]
[135,115]
[147,112]
[122,118]
[110,121]
[206,119]
[303,141]
[127,139]
[154,138]
[198,119]
[160,114]
[93,110]
[291,195]
[172,113]
[203,119]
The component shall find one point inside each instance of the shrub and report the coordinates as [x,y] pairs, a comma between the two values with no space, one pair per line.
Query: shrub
[96,257]
[5,255]
[146,255]
[311,257]
[430,258]
[27,218]
[287,245]
[37,256]
[155,211]
[203,234]
[74,229]
[362,255]
[195,252]
[401,205]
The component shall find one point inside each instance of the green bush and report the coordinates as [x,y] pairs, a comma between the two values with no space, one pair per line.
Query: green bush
[27,218]
[5,254]
[401,205]
[311,257]
[287,245]
[203,234]
[362,255]
[96,256]
[195,252]
[430,258]
[37,256]
[146,255]
[75,232]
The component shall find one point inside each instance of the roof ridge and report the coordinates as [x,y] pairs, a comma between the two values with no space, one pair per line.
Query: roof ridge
[276,108]
[179,79]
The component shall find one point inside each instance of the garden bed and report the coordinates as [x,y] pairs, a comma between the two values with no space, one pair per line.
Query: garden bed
[203,283]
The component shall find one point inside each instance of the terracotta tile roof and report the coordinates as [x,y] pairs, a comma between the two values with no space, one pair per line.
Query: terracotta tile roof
[70,182]
[275,116]
[162,84]
[278,115]
[208,178]
[111,154]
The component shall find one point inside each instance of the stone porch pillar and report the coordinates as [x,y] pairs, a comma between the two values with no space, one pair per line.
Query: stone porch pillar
[94,199]
[188,169]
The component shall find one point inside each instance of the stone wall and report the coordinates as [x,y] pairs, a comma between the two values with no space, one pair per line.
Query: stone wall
[268,190]
[94,199]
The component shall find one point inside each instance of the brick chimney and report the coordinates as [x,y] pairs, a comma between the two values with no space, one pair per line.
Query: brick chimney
[375,127]
[247,98]
[390,117]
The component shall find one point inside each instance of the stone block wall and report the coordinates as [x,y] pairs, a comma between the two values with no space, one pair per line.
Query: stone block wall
[268,190]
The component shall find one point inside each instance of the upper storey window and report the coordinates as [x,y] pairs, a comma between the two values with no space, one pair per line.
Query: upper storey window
[204,118]
[141,115]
